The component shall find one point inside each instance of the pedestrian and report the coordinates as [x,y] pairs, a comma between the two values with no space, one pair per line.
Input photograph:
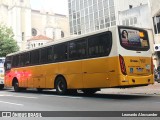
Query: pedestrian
[155,73]
[158,71]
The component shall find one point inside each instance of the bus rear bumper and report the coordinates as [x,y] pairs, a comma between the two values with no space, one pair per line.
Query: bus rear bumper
[136,80]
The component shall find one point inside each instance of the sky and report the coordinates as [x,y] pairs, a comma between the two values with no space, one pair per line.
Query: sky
[56,6]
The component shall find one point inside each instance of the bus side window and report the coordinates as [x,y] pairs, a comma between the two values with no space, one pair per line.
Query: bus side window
[15,61]
[22,59]
[55,57]
[49,54]
[35,57]
[27,59]
[46,55]
[43,54]
[77,49]
[60,52]
[99,45]
[7,65]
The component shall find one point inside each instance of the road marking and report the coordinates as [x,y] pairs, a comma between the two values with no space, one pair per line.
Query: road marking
[26,97]
[69,97]
[19,96]
[157,102]
[11,103]
[6,95]
[64,96]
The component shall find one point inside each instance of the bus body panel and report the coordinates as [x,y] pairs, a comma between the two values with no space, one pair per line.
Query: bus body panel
[95,72]
[98,72]
[92,76]
[73,72]
[137,66]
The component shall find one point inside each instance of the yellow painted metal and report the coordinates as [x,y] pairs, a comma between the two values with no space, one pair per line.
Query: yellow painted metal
[90,73]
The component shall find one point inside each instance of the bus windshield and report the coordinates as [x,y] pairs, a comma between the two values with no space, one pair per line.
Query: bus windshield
[134,39]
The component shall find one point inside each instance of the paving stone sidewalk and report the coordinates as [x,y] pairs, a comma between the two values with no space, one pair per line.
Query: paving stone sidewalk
[151,89]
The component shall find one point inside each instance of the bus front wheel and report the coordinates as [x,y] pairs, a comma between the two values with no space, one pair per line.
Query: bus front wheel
[16,86]
[61,86]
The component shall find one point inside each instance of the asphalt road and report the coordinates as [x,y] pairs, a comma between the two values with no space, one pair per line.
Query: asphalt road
[31,100]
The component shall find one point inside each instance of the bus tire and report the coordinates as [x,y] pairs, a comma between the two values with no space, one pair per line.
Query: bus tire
[16,86]
[1,86]
[61,86]
[89,91]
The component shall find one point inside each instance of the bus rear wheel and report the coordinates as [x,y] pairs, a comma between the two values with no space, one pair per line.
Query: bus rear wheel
[61,86]
[16,86]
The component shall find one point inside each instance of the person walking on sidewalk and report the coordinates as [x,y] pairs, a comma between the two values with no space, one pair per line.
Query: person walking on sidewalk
[158,74]
[155,73]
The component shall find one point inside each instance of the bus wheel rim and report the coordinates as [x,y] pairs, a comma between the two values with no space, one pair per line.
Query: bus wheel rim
[60,86]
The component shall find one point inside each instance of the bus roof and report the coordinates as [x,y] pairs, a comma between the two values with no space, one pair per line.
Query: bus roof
[69,39]
[62,40]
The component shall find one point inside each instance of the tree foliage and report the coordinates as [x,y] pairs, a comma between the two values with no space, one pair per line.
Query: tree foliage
[7,42]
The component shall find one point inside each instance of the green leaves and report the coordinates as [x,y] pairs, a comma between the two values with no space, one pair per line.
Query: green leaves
[7,42]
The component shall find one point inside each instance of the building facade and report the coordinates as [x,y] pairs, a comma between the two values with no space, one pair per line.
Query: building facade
[37,41]
[138,16]
[155,14]
[27,23]
[90,15]
[50,24]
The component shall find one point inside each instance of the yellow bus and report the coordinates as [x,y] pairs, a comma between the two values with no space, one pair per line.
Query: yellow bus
[118,56]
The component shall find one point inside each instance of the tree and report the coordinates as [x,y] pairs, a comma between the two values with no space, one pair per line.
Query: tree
[7,42]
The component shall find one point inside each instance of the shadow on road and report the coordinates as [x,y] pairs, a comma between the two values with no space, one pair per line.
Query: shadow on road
[117,96]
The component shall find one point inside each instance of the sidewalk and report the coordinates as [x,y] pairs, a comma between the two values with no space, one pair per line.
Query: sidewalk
[151,89]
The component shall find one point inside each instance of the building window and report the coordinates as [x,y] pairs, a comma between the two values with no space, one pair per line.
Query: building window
[22,36]
[127,22]
[123,22]
[156,22]
[62,34]
[34,32]
[131,21]
[130,6]
[135,20]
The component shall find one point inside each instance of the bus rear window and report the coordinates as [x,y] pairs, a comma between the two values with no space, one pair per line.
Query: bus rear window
[134,39]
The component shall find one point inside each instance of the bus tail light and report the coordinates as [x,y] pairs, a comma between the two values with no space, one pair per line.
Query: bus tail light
[152,66]
[122,64]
